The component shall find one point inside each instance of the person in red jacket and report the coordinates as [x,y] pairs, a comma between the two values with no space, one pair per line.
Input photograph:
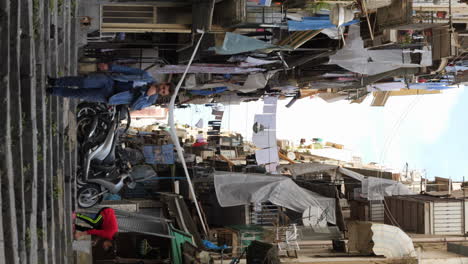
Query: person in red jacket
[104,225]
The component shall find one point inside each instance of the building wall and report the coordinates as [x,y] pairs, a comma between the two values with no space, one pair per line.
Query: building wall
[427,215]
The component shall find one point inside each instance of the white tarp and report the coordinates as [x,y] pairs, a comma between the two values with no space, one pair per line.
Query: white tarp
[372,188]
[377,188]
[354,57]
[233,189]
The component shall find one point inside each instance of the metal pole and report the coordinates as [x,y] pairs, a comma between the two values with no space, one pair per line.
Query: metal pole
[421,184]
[175,139]
[464,206]
[450,26]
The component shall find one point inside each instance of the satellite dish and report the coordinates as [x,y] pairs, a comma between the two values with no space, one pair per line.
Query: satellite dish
[258,127]
[314,216]
[291,155]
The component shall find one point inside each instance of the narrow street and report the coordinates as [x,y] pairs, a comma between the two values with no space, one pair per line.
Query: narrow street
[233,131]
[37,132]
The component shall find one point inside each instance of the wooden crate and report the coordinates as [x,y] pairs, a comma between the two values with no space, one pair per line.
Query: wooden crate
[229,237]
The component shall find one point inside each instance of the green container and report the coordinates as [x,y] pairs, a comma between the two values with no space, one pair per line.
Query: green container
[180,237]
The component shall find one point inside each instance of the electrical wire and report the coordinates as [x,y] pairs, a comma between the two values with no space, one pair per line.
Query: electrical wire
[385,149]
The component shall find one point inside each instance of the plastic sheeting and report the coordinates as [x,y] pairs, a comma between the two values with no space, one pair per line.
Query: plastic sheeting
[376,188]
[298,169]
[315,23]
[354,57]
[396,86]
[235,44]
[233,189]
[434,86]
[372,188]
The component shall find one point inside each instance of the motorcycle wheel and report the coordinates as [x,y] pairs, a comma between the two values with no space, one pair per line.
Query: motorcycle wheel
[79,178]
[86,193]
[89,109]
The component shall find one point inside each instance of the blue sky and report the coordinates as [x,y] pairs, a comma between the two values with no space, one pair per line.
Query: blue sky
[429,132]
[448,155]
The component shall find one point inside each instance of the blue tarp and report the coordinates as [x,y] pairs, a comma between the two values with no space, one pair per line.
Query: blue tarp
[235,44]
[431,86]
[315,23]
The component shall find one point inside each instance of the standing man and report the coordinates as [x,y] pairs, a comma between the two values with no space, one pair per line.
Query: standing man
[104,225]
[116,84]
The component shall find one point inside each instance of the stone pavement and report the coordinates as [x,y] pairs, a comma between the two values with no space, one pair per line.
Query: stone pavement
[37,133]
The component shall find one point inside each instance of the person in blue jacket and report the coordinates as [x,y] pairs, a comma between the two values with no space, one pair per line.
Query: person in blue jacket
[116,84]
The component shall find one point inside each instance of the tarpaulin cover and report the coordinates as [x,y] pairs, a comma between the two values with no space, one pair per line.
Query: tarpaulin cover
[354,57]
[377,188]
[233,189]
[314,23]
[372,188]
[396,86]
[434,86]
[298,169]
[235,44]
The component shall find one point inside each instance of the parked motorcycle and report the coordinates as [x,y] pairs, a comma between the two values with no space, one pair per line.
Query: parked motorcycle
[102,170]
